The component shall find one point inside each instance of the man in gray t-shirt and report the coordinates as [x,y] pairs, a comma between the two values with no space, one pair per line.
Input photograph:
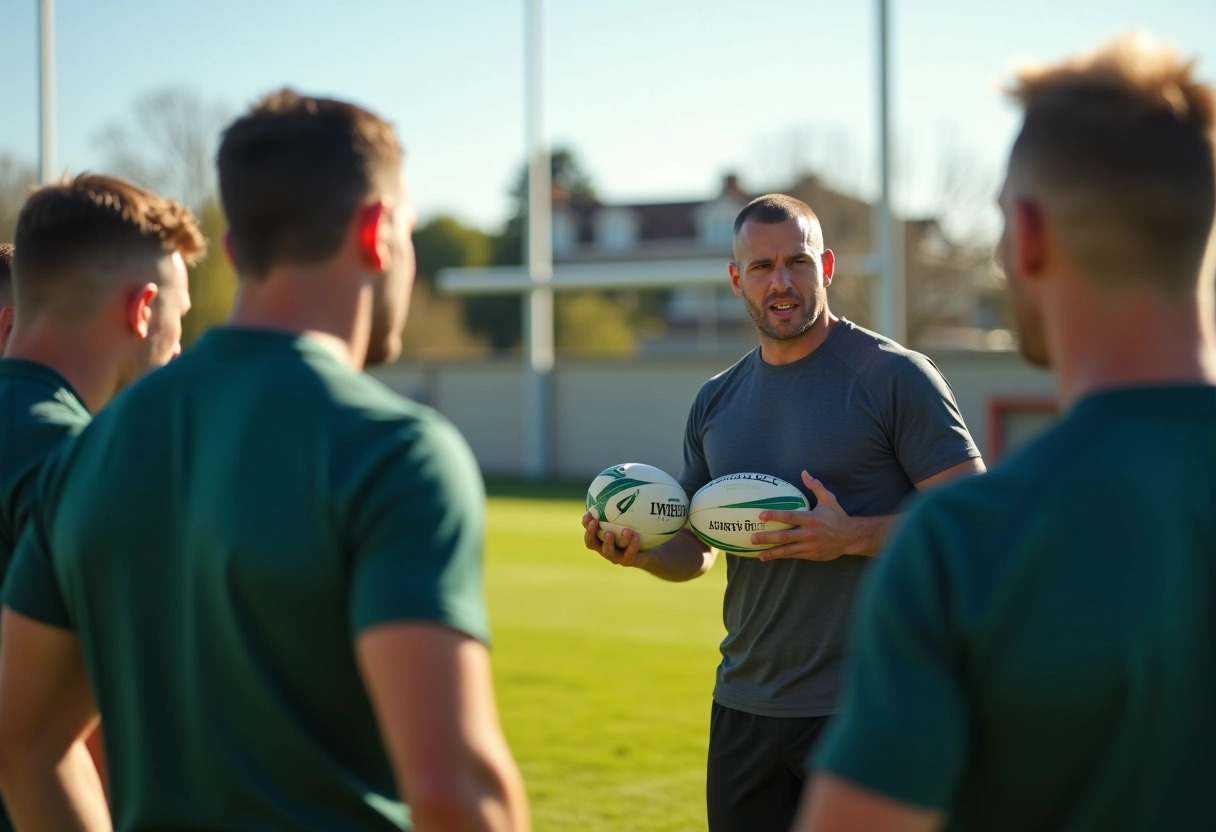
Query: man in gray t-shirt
[860,423]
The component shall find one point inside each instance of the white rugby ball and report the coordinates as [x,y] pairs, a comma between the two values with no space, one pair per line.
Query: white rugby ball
[725,512]
[639,497]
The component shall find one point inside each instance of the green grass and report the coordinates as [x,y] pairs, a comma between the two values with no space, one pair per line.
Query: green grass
[603,674]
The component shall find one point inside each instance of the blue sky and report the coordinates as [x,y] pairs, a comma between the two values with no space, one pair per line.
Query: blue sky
[659,98]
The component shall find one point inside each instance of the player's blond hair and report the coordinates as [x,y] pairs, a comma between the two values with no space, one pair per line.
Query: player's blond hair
[70,237]
[1119,146]
[6,274]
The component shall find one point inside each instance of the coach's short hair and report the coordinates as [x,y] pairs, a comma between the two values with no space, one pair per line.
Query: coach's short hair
[6,274]
[70,237]
[292,173]
[1119,144]
[771,209]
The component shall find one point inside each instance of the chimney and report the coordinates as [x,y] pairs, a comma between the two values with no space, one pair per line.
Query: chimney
[730,186]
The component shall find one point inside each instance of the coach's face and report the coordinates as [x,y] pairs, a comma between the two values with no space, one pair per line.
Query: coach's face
[392,299]
[1027,317]
[782,279]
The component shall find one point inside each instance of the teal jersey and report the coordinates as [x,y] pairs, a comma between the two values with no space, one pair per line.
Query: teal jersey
[38,410]
[1036,648]
[218,538]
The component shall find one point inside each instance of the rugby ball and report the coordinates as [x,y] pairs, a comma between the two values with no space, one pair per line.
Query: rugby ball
[639,497]
[725,512]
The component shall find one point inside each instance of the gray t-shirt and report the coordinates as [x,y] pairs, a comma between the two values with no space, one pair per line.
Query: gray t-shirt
[865,417]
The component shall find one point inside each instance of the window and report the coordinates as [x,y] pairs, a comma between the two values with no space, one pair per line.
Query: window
[615,229]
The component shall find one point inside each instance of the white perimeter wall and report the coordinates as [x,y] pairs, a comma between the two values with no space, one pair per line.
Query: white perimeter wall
[608,412]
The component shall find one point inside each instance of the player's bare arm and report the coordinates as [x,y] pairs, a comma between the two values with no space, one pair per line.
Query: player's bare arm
[826,532]
[836,805]
[682,558]
[46,712]
[441,728]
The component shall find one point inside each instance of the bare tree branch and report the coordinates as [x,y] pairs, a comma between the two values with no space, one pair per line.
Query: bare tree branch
[16,180]
[168,144]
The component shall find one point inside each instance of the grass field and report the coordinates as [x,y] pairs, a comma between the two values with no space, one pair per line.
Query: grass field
[603,674]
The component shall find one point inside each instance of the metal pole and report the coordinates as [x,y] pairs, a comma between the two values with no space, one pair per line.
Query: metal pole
[891,317]
[538,318]
[46,101]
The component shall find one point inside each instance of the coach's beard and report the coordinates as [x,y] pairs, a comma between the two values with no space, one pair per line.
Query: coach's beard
[781,332]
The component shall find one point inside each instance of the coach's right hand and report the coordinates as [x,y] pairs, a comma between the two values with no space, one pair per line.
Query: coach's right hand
[619,549]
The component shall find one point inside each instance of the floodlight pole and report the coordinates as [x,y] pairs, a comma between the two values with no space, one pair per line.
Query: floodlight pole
[891,317]
[538,317]
[46,98]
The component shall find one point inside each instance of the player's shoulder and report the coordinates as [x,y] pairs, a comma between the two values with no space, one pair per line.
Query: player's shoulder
[990,513]
[34,396]
[361,397]
[869,354]
[741,368]
[370,418]
[381,439]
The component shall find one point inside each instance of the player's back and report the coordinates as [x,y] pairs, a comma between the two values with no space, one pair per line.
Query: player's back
[210,544]
[1086,592]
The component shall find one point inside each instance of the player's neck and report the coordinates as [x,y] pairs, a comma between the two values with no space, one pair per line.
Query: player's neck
[332,310]
[776,352]
[88,363]
[1129,341]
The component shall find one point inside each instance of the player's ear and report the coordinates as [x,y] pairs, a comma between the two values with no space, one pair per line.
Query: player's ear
[228,247]
[6,324]
[374,232]
[828,261]
[1029,238]
[139,308]
[733,268]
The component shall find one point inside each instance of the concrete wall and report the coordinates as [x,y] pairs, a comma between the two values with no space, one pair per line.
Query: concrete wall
[608,412]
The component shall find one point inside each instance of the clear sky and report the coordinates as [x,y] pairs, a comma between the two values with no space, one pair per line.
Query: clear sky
[659,98]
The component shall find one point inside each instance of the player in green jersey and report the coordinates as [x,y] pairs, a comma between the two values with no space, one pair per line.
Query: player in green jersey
[265,565]
[6,293]
[1037,647]
[100,284]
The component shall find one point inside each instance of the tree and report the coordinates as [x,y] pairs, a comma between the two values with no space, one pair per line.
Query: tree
[500,318]
[436,325]
[167,145]
[444,242]
[16,179]
[592,323]
[212,280]
[568,177]
[952,282]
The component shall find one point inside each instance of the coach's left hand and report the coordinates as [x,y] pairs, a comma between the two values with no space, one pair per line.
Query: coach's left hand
[823,533]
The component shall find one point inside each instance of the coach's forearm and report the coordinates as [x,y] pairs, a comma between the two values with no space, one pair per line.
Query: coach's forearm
[51,795]
[682,558]
[870,533]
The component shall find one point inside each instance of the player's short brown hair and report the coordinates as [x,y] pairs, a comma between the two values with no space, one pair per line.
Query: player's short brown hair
[1119,145]
[70,236]
[292,173]
[6,274]
[777,208]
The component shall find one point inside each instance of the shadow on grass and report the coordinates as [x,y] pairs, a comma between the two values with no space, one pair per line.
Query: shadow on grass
[536,489]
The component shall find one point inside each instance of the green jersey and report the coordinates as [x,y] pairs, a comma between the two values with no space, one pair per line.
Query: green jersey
[217,538]
[38,410]
[1036,648]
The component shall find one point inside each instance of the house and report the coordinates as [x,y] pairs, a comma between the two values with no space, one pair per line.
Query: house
[955,295]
